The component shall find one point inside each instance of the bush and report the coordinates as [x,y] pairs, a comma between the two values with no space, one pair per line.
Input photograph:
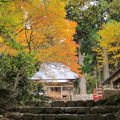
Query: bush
[90,92]
[15,72]
[40,92]
[113,99]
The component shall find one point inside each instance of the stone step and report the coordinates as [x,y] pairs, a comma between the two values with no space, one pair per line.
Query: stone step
[79,103]
[26,116]
[68,110]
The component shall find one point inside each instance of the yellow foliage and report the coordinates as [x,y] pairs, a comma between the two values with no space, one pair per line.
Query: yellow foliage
[110,39]
[1,39]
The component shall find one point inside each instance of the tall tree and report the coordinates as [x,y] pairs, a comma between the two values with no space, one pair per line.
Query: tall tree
[109,39]
[89,19]
[73,13]
[43,29]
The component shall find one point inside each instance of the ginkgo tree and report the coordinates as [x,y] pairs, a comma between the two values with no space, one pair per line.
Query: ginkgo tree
[41,27]
[109,38]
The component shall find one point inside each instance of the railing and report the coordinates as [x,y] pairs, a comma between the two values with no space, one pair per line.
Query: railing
[65,92]
[111,87]
[54,94]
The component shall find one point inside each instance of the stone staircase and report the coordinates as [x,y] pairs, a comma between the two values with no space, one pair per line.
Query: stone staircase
[70,110]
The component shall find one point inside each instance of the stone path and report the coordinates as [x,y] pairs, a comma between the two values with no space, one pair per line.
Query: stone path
[70,110]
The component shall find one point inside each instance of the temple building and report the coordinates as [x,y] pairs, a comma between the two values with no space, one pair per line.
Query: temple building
[57,79]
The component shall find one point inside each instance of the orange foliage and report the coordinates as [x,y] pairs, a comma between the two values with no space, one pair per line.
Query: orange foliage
[47,33]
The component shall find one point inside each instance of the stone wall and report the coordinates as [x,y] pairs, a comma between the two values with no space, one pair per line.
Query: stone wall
[75,97]
[83,97]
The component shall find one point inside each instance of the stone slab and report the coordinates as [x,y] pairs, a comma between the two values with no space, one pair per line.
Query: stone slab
[70,104]
[44,104]
[93,117]
[49,117]
[58,104]
[79,103]
[102,109]
[83,110]
[89,103]
[21,110]
[15,116]
[36,110]
[54,110]
[77,110]
[65,117]
[110,116]
[27,116]
[37,117]
[79,117]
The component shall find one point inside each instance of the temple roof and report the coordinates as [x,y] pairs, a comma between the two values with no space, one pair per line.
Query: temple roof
[54,71]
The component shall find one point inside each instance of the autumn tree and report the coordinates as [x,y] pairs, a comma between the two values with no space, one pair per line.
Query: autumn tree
[109,39]
[41,27]
[11,17]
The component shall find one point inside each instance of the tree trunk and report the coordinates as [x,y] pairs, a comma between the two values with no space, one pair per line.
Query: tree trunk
[99,73]
[96,82]
[82,81]
[105,57]
[106,65]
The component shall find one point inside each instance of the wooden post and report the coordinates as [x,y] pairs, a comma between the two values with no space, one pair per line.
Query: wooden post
[53,91]
[61,92]
[111,83]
